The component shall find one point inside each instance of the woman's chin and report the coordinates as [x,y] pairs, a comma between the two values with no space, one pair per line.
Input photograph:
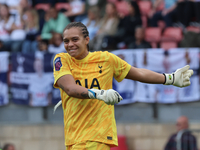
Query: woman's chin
[72,53]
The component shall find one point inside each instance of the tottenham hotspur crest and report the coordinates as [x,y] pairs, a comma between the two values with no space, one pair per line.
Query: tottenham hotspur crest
[100,67]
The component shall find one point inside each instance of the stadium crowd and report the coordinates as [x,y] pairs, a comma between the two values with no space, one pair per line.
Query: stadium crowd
[36,25]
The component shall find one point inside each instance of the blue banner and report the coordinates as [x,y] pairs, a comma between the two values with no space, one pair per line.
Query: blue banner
[4,65]
[32,80]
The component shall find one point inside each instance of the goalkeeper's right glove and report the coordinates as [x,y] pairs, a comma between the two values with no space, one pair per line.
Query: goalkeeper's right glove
[110,96]
[181,77]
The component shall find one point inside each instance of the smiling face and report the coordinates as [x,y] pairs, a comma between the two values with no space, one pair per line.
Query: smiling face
[75,43]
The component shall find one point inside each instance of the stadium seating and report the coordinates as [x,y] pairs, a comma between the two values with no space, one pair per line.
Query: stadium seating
[193,29]
[121,143]
[42,6]
[62,6]
[122,7]
[153,36]
[145,7]
[154,45]
[168,45]
[112,1]
[41,9]
[172,34]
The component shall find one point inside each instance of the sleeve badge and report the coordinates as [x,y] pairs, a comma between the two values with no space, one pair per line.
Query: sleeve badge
[57,63]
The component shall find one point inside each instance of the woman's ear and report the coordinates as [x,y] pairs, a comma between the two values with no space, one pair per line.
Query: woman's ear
[87,40]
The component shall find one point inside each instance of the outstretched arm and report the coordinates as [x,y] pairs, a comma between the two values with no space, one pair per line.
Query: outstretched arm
[145,75]
[180,78]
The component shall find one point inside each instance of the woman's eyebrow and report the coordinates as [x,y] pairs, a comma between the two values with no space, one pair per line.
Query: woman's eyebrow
[70,38]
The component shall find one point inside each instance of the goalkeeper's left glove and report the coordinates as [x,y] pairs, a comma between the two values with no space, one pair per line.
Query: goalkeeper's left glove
[181,77]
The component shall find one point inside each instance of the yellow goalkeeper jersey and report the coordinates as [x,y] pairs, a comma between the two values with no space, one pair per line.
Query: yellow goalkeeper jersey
[89,119]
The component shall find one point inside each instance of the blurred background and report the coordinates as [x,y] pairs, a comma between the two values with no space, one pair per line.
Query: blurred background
[160,35]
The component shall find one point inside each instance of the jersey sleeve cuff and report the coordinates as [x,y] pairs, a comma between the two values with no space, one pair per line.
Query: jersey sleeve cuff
[58,76]
[124,74]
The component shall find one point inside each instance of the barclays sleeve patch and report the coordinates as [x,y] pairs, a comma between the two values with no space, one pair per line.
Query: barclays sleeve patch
[57,63]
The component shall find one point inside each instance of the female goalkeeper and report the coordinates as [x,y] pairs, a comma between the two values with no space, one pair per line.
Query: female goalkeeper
[85,82]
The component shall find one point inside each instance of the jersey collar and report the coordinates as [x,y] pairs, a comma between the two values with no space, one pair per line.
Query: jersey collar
[84,59]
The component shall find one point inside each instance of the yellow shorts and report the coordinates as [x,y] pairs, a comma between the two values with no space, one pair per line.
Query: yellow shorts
[89,145]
